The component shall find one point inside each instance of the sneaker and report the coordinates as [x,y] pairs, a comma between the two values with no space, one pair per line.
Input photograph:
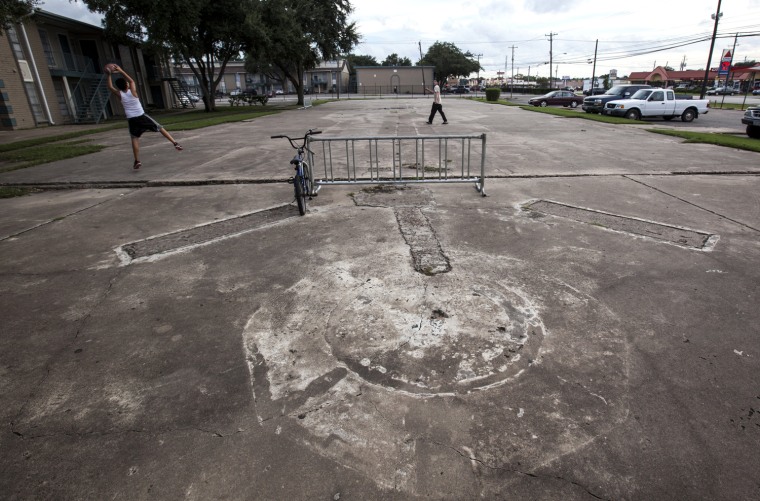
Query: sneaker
[429,123]
[177,146]
[445,123]
[137,164]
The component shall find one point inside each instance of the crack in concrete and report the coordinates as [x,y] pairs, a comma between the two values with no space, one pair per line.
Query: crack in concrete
[692,204]
[57,219]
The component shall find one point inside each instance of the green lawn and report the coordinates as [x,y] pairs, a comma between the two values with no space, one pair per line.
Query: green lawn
[728,140]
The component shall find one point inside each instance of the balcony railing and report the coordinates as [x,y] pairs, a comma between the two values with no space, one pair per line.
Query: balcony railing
[64,62]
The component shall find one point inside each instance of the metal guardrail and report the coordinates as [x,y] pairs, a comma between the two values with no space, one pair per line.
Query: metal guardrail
[397,160]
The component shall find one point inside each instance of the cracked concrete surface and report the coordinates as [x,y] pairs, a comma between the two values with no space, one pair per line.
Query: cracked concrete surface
[315,358]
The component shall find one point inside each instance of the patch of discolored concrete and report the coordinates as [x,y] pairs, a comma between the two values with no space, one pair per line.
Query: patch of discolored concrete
[395,374]
[408,203]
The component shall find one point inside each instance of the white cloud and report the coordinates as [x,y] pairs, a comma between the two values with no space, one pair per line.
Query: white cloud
[491,27]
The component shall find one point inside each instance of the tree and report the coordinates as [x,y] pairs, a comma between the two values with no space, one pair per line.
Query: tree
[395,60]
[13,11]
[292,36]
[355,60]
[449,61]
[205,34]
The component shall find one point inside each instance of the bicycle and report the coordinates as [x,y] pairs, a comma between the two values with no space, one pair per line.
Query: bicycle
[302,180]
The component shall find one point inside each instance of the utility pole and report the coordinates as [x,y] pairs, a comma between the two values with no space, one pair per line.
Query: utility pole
[716,17]
[551,43]
[478,56]
[512,80]
[424,85]
[593,71]
[683,63]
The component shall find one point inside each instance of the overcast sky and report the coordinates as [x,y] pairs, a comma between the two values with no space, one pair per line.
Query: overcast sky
[493,27]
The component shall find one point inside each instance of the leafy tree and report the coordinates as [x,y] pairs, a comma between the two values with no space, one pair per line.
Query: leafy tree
[12,11]
[395,60]
[292,36]
[355,60]
[206,34]
[449,61]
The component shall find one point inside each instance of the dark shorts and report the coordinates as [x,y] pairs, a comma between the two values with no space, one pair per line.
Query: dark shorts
[143,123]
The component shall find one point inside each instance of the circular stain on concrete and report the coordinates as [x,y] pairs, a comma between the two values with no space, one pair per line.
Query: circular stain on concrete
[435,339]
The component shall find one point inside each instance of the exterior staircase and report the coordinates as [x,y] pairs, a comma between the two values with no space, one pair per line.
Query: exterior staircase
[181,93]
[90,97]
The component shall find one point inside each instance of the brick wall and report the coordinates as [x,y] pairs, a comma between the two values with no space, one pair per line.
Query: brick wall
[16,112]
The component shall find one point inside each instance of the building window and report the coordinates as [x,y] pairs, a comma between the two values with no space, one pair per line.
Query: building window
[47,48]
[15,44]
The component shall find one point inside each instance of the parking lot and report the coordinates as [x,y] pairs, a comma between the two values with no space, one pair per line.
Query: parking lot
[589,331]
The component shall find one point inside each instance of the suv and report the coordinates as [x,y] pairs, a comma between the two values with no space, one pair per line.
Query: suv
[595,104]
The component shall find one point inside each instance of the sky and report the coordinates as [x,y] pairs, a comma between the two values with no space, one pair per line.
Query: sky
[514,35]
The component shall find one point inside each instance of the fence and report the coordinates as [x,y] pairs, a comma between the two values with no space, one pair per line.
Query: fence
[397,160]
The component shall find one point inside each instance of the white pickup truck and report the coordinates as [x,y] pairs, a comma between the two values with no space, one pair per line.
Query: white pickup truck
[657,103]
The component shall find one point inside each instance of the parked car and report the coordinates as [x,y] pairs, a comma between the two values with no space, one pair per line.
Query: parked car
[721,91]
[250,91]
[235,92]
[595,104]
[278,92]
[557,98]
[751,119]
[594,91]
[756,92]
[193,97]
[461,89]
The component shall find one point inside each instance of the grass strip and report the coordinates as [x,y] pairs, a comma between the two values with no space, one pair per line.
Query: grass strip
[728,140]
[11,191]
[502,102]
[212,119]
[562,112]
[28,143]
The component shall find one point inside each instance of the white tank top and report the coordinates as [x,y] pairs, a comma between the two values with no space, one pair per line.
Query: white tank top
[131,104]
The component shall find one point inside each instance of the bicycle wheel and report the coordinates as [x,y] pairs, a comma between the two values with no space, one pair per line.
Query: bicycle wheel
[300,195]
[307,181]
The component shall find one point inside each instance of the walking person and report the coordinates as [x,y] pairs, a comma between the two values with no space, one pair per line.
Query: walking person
[139,121]
[437,106]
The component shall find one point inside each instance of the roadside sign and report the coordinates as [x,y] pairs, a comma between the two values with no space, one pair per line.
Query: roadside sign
[725,63]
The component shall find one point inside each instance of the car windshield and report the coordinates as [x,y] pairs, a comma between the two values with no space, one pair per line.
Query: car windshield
[616,91]
[642,94]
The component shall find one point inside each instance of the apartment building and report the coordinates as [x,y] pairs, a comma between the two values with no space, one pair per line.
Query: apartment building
[52,73]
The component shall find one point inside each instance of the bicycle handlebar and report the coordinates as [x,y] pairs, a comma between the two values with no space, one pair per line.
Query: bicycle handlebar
[293,143]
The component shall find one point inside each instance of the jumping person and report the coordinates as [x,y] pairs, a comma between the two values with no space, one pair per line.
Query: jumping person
[437,106]
[139,122]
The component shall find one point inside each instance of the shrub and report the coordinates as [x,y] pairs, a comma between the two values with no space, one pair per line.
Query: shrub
[493,93]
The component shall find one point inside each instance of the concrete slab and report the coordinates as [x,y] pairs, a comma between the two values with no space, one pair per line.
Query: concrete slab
[392,344]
